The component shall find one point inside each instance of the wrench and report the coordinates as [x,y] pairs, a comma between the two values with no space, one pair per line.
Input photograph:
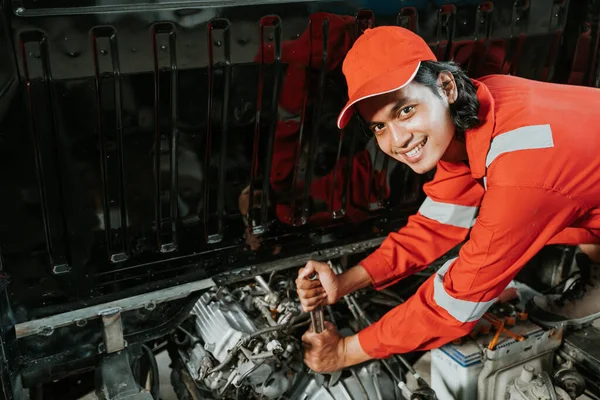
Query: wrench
[317,317]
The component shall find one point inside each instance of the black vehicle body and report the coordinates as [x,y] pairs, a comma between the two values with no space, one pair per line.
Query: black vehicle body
[137,141]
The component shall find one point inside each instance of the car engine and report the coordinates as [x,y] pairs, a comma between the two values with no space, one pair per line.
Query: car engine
[243,341]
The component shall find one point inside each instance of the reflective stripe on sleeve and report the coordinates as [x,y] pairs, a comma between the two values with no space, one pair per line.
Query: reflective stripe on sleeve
[524,138]
[462,310]
[449,214]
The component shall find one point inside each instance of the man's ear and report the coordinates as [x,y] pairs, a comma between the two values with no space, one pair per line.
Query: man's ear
[448,85]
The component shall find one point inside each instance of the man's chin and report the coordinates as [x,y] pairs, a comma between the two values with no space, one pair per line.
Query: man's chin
[422,167]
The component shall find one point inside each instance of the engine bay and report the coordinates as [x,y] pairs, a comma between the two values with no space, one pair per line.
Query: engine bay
[243,341]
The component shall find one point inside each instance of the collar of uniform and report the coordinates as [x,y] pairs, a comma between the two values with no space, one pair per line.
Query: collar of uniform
[478,139]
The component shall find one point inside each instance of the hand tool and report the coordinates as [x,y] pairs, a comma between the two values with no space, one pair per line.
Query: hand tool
[317,317]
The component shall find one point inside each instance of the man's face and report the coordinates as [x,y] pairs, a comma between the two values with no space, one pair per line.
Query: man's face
[412,125]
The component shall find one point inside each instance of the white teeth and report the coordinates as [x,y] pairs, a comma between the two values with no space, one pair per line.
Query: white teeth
[415,152]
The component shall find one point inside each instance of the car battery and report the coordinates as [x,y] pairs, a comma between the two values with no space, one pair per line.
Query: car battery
[482,364]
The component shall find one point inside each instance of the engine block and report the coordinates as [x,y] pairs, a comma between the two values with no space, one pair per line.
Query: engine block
[245,345]
[221,323]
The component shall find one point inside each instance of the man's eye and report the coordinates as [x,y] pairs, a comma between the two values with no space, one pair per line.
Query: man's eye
[406,111]
[377,128]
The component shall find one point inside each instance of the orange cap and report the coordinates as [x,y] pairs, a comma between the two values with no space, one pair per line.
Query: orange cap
[382,60]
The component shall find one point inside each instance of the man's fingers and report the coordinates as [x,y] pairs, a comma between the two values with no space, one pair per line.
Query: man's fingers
[307,270]
[307,284]
[308,336]
[311,304]
[311,293]
[329,326]
[320,267]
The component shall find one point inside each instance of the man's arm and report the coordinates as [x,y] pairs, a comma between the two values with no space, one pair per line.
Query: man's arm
[442,222]
[514,224]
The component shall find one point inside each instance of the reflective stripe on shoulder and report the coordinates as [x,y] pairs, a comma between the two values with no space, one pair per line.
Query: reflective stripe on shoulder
[449,214]
[462,310]
[524,138]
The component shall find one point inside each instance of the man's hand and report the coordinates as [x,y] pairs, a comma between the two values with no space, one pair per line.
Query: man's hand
[325,351]
[322,291]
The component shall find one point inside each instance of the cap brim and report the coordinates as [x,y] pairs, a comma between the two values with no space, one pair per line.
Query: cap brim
[390,82]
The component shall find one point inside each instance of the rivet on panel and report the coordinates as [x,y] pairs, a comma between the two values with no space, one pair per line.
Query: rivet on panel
[81,323]
[47,331]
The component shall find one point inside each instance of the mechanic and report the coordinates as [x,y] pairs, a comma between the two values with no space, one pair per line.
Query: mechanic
[517,168]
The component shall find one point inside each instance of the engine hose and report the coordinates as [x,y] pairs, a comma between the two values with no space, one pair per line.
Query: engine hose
[155,387]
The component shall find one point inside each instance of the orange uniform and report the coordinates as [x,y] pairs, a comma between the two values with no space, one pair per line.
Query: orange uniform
[532,179]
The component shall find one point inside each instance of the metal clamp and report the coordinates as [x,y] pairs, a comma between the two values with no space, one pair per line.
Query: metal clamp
[112,330]
[408,18]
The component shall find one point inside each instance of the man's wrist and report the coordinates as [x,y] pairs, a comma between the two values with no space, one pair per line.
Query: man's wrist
[341,350]
[350,352]
[352,280]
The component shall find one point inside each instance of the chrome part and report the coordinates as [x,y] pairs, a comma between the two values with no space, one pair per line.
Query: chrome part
[317,320]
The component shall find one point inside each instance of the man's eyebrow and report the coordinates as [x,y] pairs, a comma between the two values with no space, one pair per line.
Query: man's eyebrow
[401,102]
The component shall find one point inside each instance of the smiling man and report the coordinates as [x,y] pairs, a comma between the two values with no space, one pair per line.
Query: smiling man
[517,167]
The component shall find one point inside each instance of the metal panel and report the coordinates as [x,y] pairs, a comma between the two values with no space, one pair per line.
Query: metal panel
[168,140]
[8,79]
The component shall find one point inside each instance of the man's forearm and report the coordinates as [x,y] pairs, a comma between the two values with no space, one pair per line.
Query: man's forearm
[351,352]
[352,280]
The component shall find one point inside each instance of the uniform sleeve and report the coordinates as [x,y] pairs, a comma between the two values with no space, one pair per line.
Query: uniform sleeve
[513,225]
[442,222]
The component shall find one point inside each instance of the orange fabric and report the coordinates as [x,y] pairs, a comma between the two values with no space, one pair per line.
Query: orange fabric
[534,196]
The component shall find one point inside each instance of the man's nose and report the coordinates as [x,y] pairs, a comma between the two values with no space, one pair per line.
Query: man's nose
[400,138]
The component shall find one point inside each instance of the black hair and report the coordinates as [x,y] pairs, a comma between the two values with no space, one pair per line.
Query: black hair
[464,110]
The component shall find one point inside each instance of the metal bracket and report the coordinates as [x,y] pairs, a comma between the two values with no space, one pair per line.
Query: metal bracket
[446,19]
[559,15]
[520,17]
[483,21]
[365,19]
[112,331]
[408,18]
